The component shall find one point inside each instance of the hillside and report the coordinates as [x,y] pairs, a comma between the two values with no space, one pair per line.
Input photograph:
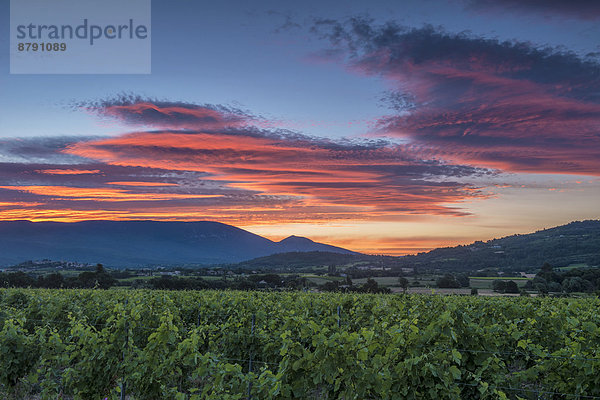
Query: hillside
[576,242]
[139,243]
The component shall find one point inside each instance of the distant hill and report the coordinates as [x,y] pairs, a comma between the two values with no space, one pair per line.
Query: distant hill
[139,243]
[576,242]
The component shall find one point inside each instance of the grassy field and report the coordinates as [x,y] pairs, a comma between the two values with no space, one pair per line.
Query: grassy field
[148,277]
[319,280]
[573,266]
[493,278]
[487,282]
[385,281]
[63,272]
[209,277]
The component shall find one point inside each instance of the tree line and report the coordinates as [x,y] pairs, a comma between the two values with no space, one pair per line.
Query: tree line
[586,280]
[99,278]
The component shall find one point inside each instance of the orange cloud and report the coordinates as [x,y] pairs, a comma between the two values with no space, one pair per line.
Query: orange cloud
[19,204]
[368,180]
[241,216]
[111,195]
[146,184]
[68,171]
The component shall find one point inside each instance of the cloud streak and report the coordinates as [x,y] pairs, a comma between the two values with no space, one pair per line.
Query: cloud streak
[581,9]
[137,111]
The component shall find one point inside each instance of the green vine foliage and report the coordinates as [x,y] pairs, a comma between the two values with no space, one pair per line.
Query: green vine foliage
[19,351]
[87,344]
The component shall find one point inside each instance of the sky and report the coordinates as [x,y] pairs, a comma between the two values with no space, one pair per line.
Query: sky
[387,127]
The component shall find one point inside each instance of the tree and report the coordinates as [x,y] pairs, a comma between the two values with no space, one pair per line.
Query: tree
[499,285]
[554,287]
[99,279]
[547,272]
[403,283]
[546,268]
[576,284]
[448,281]
[330,286]
[86,279]
[100,269]
[54,280]
[16,279]
[511,287]
[463,280]
[371,286]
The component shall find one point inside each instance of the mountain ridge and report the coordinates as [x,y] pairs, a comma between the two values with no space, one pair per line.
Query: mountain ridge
[138,243]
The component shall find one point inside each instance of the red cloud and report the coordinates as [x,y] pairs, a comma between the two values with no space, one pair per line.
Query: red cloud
[162,114]
[482,102]
[99,194]
[504,123]
[68,171]
[317,179]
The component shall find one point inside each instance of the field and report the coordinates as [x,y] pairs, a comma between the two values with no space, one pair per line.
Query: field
[487,282]
[385,281]
[94,344]
[574,266]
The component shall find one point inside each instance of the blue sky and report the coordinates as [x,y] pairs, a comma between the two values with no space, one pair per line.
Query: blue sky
[239,52]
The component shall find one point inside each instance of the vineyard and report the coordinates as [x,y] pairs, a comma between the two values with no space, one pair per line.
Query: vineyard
[121,344]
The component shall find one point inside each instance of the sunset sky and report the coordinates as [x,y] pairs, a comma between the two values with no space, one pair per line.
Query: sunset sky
[383,126]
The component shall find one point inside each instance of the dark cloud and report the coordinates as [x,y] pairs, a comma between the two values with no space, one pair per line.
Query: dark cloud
[582,9]
[480,101]
[391,49]
[39,150]
[290,22]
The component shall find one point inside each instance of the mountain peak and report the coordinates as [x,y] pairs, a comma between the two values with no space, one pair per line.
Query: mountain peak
[299,243]
[295,239]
